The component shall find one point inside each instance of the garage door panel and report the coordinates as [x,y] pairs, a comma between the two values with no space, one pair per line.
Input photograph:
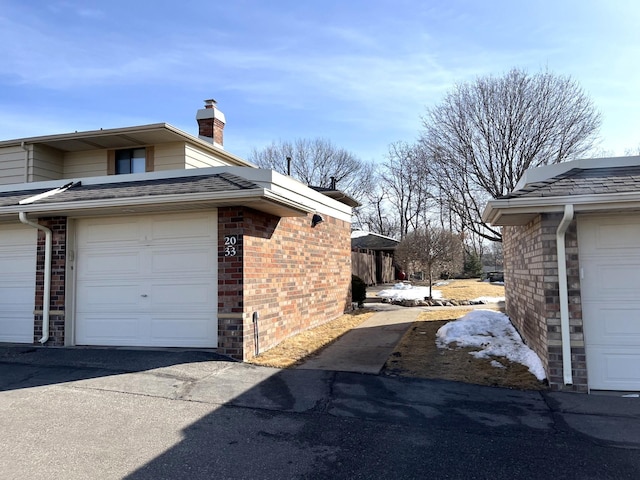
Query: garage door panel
[109,233]
[612,325]
[115,296]
[611,277]
[189,296]
[188,230]
[17,283]
[176,330]
[18,295]
[17,262]
[107,263]
[610,369]
[191,261]
[610,235]
[109,330]
[14,329]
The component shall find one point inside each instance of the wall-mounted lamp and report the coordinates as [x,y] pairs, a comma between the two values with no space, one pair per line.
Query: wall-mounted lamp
[316,219]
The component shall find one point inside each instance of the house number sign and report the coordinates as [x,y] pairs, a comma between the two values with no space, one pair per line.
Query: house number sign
[230,242]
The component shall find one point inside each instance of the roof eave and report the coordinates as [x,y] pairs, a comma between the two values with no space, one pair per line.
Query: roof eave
[259,199]
[131,132]
[520,211]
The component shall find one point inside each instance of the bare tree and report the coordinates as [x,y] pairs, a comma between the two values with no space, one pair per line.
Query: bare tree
[632,152]
[431,250]
[405,180]
[485,134]
[316,162]
[375,215]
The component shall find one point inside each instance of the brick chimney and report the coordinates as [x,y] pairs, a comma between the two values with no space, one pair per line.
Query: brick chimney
[210,123]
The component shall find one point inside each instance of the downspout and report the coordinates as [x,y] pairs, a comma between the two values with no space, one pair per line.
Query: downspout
[47,274]
[564,294]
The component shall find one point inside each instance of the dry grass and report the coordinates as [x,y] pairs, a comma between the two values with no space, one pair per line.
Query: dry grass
[469,289]
[417,355]
[294,350]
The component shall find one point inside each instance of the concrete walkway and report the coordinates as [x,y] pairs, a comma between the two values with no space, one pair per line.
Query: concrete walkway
[366,348]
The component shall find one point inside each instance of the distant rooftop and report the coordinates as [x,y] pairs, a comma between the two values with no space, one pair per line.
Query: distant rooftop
[372,241]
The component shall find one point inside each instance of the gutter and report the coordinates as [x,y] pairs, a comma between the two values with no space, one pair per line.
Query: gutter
[564,294]
[47,274]
[496,209]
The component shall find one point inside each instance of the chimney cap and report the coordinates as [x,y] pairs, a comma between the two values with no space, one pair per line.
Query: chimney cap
[210,103]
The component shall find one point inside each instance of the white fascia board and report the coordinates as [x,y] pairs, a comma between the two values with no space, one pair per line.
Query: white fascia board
[288,187]
[512,206]
[254,195]
[545,172]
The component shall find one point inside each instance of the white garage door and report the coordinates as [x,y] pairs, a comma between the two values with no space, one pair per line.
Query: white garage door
[17,282]
[610,271]
[147,281]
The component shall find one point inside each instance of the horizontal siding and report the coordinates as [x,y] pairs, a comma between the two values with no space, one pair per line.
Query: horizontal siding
[196,158]
[169,156]
[90,163]
[47,164]
[12,165]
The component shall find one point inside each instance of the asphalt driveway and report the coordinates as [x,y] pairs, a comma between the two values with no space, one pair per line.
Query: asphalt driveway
[110,413]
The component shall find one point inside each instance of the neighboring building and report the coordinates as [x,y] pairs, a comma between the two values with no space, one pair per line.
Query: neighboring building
[372,257]
[149,236]
[572,269]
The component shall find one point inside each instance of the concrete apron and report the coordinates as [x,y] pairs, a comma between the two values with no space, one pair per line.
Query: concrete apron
[366,348]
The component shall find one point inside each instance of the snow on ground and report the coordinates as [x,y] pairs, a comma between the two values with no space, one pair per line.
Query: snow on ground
[488,299]
[494,334]
[406,291]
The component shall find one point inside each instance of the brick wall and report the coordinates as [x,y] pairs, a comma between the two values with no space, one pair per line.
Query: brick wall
[532,295]
[294,276]
[58,226]
[524,284]
[231,330]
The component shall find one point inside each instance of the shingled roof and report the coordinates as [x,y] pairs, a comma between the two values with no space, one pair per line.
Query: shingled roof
[587,185]
[373,241]
[580,181]
[222,182]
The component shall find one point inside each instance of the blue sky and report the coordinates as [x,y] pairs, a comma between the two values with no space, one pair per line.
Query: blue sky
[360,73]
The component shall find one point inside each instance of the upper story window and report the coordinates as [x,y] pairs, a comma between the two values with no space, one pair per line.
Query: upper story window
[131,161]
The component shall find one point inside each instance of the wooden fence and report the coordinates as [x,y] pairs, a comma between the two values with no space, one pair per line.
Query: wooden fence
[373,267]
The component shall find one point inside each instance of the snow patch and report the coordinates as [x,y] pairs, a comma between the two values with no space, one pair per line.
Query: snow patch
[488,299]
[406,291]
[494,334]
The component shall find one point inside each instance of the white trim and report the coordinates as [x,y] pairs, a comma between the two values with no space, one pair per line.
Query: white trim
[507,207]
[363,233]
[70,284]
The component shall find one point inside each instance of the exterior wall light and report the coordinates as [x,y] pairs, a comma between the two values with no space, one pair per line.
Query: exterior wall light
[316,219]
